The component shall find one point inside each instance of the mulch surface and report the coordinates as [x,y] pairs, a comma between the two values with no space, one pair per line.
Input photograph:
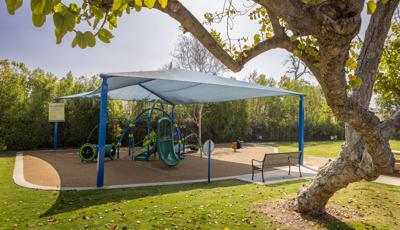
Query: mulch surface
[64,168]
[335,216]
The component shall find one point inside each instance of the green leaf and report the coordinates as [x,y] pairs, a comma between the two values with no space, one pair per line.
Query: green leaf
[256,39]
[79,40]
[76,38]
[149,3]
[371,6]
[37,6]
[59,35]
[64,21]
[38,20]
[13,5]
[104,35]
[296,52]
[384,1]
[58,20]
[74,8]
[163,3]
[90,40]
[117,4]
[138,3]
[354,81]
[48,7]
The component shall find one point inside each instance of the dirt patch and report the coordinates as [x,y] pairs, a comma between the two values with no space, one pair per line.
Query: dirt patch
[335,216]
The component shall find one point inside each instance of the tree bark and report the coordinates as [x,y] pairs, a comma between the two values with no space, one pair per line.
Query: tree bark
[366,153]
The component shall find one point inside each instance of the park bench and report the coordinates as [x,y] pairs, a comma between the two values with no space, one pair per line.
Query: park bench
[275,160]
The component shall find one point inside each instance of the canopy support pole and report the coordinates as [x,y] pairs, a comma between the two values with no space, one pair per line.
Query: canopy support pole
[301,129]
[102,132]
[55,144]
[55,133]
[209,162]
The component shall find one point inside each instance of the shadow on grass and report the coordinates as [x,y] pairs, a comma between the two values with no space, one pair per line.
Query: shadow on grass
[328,221]
[7,153]
[290,182]
[283,212]
[74,200]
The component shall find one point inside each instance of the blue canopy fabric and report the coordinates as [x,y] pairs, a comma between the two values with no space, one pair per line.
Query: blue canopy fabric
[179,87]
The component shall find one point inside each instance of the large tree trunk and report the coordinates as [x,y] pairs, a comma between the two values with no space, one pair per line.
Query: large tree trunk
[353,164]
[366,153]
[334,24]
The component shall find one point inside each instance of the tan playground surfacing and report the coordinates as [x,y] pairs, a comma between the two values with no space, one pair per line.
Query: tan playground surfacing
[63,168]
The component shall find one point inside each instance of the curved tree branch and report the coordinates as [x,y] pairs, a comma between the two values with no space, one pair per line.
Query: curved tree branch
[190,23]
[391,125]
[372,49]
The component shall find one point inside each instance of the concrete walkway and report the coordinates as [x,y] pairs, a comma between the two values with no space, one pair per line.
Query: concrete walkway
[316,162]
[280,175]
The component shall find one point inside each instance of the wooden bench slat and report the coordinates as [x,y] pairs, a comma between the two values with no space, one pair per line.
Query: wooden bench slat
[275,160]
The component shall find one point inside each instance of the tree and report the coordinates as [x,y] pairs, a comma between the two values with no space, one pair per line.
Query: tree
[387,86]
[319,119]
[295,67]
[318,32]
[190,54]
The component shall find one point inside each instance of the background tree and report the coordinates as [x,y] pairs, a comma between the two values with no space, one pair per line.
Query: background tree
[24,119]
[275,118]
[387,85]
[24,99]
[296,68]
[318,32]
[190,54]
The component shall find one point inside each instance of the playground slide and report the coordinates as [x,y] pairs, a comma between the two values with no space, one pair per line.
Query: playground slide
[142,155]
[167,153]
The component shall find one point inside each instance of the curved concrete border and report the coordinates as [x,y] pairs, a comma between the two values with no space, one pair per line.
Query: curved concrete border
[19,179]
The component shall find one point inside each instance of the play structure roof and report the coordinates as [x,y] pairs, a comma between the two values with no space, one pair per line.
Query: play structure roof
[179,87]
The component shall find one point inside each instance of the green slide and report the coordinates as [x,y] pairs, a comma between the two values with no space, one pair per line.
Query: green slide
[142,155]
[165,144]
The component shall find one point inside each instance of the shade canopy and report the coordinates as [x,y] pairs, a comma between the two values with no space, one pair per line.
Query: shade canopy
[179,87]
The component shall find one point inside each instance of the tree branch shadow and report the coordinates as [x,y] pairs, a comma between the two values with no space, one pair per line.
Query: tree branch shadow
[327,220]
[74,200]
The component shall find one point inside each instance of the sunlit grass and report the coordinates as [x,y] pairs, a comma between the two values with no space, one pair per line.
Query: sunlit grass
[322,148]
[231,203]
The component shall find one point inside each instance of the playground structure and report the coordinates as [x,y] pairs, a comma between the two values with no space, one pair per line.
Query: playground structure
[168,142]
[174,87]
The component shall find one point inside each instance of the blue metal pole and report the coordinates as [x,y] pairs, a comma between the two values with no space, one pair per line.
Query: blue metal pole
[209,161]
[301,128]
[55,141]
[129,144]
[102,132]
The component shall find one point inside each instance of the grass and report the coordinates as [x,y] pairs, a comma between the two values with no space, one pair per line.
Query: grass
[222,204]
[322,148]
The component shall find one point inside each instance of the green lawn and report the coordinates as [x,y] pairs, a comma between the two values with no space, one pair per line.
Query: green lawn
[322,148]
[222,204]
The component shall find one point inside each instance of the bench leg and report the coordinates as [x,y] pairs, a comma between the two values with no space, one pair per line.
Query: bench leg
[252,174]
[289,169]
[262,175]
[300,171]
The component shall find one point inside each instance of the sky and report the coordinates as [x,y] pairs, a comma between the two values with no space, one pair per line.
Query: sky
[143,41]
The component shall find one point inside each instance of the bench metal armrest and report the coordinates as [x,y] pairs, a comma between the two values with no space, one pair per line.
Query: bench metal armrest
[254,160]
